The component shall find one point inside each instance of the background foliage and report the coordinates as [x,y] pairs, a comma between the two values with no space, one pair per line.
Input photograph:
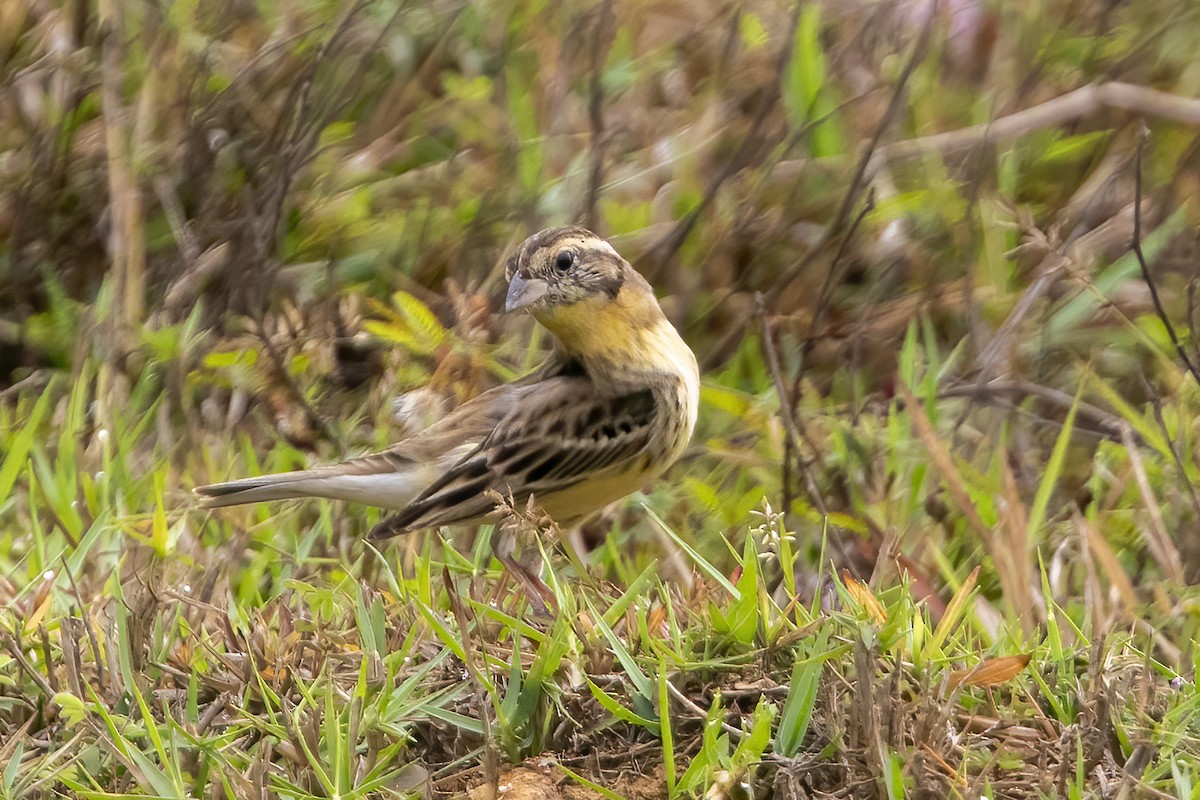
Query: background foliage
[937,531]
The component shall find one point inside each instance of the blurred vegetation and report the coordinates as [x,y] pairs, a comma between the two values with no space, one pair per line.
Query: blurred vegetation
[938,530]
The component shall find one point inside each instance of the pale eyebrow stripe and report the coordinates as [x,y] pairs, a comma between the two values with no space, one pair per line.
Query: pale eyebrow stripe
[572,239]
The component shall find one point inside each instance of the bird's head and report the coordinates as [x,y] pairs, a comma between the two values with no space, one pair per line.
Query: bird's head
[580,288]
[561,267]
[601,310]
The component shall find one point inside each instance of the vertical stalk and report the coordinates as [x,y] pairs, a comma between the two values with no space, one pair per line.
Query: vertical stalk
[125,243]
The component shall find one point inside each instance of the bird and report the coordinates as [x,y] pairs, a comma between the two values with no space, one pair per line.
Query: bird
[610,409]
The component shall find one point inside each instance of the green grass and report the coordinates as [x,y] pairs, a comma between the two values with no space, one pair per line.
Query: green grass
[150,648]
[935,535]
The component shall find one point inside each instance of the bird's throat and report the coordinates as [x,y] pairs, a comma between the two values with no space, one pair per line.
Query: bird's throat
[606,329]
[625,340]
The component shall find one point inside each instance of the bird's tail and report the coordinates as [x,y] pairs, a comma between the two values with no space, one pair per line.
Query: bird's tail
[354,481]
[284,486]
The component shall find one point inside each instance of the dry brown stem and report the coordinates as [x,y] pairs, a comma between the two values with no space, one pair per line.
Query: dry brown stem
[1082,102]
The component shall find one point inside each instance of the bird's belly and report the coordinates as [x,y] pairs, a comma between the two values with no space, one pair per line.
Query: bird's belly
[591,495]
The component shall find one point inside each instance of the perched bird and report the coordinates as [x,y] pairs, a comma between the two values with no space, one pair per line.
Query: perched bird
[608,412]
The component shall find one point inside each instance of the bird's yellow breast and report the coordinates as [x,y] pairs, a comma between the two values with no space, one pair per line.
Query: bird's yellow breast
[629,330]
[627,343]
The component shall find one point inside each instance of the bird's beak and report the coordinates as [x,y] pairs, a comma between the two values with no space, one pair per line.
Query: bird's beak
[523,292]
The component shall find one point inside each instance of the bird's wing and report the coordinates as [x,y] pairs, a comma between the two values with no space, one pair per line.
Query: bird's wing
[392,478]
[559,434]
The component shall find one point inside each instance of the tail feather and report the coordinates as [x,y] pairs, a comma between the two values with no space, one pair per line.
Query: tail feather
[393,489]
[285,486]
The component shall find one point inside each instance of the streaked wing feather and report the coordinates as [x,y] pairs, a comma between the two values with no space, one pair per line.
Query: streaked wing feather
[559,436]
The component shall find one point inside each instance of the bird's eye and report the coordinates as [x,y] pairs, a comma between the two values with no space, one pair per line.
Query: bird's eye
[564,260]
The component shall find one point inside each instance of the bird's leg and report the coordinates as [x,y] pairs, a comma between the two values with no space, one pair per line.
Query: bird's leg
[541,597]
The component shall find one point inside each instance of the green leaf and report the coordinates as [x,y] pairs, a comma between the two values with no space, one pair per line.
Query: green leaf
[664,722]
[612,706]
[639,679]
[1041,500]
[595,787]
[523,116]
[150,776]
[797,709]
[705,567]
[752,30]
[451,641]
[751,748]
[805,95]
[1081,145]
[637,588]
[421,320]
[1069,314]
[19,445]
[14,764]
[468,724]
[171,772]
[893,774]
[743,617]
[714,749]
[73,708]
[158,527]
